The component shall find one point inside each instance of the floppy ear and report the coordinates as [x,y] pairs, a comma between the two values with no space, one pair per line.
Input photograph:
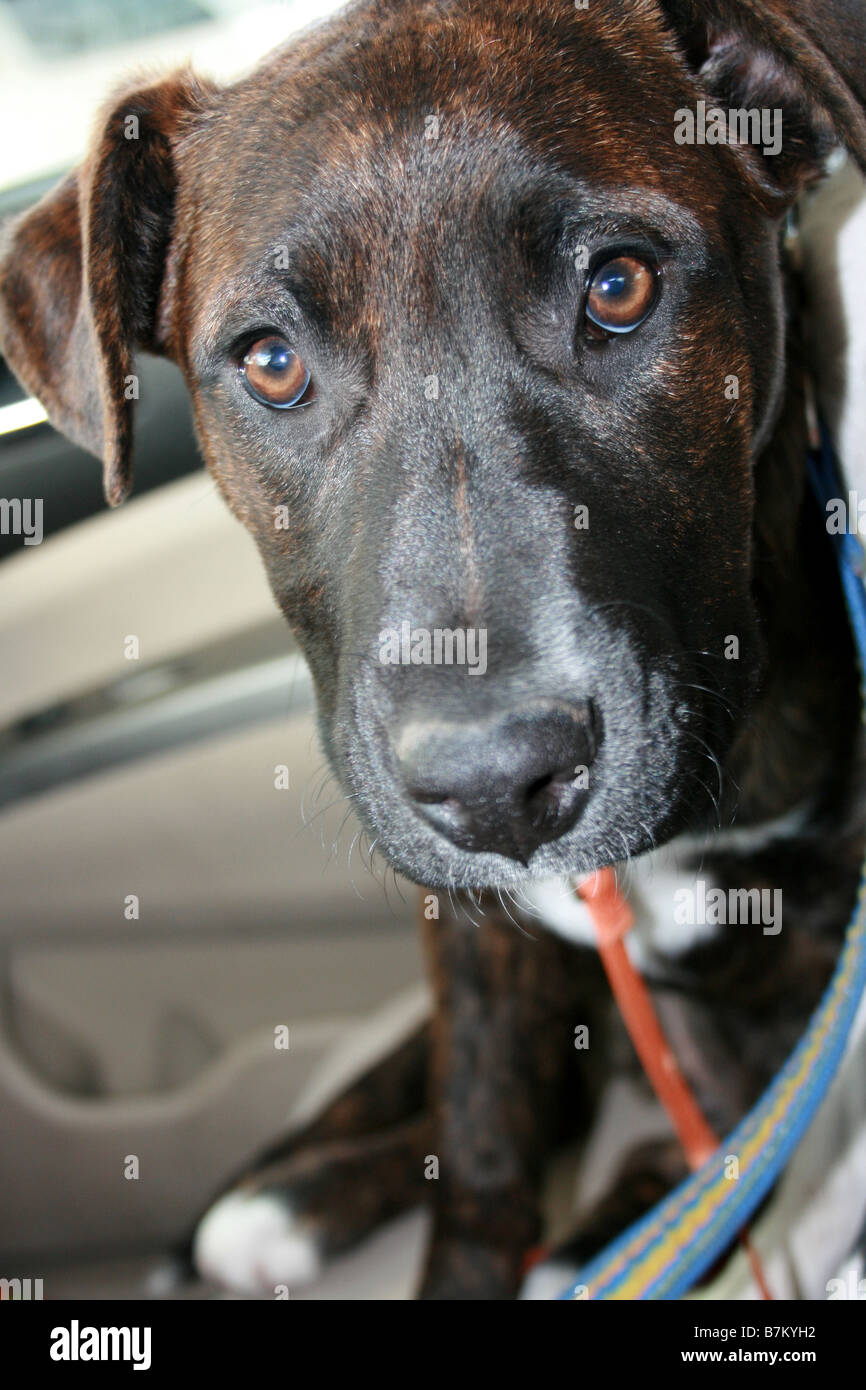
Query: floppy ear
[805,59]
[82,274]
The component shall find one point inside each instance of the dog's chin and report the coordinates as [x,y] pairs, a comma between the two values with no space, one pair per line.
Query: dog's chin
[425,857]
[443,865]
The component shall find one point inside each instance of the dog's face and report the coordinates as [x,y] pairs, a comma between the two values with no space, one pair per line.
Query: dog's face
[483,359]
[520,330]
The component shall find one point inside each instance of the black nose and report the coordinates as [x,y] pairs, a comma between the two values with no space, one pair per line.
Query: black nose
[505,784]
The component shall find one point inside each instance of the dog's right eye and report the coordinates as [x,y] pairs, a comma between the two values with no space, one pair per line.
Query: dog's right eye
[275,375]
[621,294]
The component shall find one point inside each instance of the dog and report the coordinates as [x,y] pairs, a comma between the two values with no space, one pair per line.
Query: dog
[495,353]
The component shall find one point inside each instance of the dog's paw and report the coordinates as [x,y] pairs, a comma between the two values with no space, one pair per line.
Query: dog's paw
[250,1242]
[549,1279]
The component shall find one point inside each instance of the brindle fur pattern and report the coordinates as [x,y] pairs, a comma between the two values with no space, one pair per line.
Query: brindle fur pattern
[410,256]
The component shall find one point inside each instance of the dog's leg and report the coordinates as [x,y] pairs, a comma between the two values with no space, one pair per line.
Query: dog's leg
[324,1187]
[501,1070]
[646,1175]
[503,1062]
[283,1224]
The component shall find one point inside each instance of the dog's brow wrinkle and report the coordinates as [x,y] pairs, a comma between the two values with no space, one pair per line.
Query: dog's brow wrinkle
[237,305]
[625,205]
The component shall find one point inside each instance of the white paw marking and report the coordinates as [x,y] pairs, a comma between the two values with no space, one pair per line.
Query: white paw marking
[547,1281]
[250,1242]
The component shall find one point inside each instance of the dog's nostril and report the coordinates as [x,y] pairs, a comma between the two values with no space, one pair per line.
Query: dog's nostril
[439,808]
[552,784]
[428,798]
[546,792]
[448,815]
[555,796]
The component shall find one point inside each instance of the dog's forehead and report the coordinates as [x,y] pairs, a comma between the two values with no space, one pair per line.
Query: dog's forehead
[362,161]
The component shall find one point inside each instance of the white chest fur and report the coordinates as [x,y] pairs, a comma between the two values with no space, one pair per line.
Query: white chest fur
[674,906]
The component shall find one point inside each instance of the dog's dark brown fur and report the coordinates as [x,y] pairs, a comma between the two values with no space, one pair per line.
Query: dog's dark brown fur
[161,243]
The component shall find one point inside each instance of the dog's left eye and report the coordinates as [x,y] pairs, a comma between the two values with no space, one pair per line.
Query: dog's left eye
[621,294]
[274,374]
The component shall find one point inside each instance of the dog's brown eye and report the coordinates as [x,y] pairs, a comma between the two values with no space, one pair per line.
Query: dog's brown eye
[621,294]
[274,374]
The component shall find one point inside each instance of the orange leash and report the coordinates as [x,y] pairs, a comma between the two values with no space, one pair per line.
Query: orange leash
[612,919]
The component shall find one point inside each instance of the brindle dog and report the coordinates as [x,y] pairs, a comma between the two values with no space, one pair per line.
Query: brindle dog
[443,283]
